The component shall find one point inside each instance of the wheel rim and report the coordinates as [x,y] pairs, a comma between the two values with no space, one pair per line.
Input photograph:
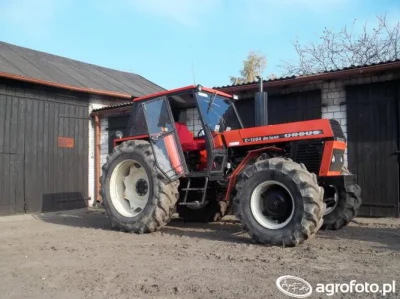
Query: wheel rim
[332,201]
[272,205]
[129,188]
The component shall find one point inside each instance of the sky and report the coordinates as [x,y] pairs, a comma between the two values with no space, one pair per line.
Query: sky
[175,43]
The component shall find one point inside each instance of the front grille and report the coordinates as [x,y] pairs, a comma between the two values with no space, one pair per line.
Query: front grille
[337,129]
[309,153]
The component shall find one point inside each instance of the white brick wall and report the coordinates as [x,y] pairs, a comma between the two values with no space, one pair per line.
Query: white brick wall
[96,103]
[103,140]
[334,105]
[193,121]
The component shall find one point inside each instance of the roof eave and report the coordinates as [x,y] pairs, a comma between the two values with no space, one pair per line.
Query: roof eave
[365,70]
[114,94]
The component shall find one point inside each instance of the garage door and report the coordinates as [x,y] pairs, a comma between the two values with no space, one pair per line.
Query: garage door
[284,108]
[43,153]
[296,106]
[373,132]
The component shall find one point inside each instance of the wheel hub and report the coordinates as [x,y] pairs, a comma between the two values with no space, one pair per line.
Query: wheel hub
[142,187]
[272,204]
[129,188]
[276,203]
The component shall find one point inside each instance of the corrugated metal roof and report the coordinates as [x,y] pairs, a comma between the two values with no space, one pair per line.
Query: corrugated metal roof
[313,74]
[113,107]
[39,65]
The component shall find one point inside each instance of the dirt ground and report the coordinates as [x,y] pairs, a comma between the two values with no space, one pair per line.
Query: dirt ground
[77,255]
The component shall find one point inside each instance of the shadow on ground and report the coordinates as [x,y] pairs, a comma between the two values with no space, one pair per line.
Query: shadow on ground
[228,230]
[375,237]
[88,218]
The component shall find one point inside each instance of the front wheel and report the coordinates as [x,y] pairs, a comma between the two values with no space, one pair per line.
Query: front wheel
[342,204]
[279,202]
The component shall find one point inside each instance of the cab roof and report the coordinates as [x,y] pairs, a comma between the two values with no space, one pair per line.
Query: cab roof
[180,90]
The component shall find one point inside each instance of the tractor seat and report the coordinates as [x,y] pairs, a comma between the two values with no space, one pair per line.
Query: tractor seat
[186,139]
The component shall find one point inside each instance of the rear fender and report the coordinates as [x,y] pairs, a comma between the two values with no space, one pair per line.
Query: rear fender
[120,140]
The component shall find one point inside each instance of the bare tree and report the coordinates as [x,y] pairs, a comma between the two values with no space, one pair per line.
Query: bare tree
[346,47]
[253,66]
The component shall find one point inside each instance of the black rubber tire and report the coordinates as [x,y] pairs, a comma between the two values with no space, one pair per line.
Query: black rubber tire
[163,194]
[212,212]
[349,202]
[307,195]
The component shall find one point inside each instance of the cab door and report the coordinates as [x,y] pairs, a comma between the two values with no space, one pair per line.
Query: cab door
[216,150]
[163,138]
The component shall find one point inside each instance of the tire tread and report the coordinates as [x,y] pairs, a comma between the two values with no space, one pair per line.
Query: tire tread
[166,193]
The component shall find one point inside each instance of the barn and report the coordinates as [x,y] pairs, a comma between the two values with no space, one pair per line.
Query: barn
[47,140]
[364,99]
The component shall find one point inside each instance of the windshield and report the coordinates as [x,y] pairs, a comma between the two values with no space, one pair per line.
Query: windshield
[218,112]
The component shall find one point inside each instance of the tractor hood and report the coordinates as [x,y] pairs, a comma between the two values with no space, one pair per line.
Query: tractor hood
[312,129]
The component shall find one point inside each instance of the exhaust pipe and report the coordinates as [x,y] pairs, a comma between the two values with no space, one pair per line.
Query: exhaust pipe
[261,105]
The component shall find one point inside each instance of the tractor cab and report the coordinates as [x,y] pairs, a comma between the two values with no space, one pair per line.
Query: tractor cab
[185,129]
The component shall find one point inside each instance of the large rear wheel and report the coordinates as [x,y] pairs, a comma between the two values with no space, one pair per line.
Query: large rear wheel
[279,202]
[136,196]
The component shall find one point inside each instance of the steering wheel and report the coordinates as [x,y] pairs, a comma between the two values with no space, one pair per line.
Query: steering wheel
[201,133]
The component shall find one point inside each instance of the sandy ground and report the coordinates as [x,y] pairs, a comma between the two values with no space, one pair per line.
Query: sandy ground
[77,255]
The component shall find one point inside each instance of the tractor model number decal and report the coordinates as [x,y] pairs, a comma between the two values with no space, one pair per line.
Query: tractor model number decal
[286,135]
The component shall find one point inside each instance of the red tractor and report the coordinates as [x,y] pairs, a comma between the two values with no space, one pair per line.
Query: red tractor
[283,182]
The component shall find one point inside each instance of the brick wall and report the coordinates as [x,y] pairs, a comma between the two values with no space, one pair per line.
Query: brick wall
[97,102]
[103,140]
[193,121]
[334,105]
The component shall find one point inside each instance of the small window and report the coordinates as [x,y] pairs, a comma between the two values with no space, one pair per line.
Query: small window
[158,118]
[116,124]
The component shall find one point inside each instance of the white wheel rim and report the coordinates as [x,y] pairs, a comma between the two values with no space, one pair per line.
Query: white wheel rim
[330,209]
[257,203]
[128,188]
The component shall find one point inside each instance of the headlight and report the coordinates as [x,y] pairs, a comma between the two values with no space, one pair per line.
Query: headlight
[337,160]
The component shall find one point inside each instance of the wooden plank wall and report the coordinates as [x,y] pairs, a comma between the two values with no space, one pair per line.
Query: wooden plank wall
[35,173]
[373,140]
